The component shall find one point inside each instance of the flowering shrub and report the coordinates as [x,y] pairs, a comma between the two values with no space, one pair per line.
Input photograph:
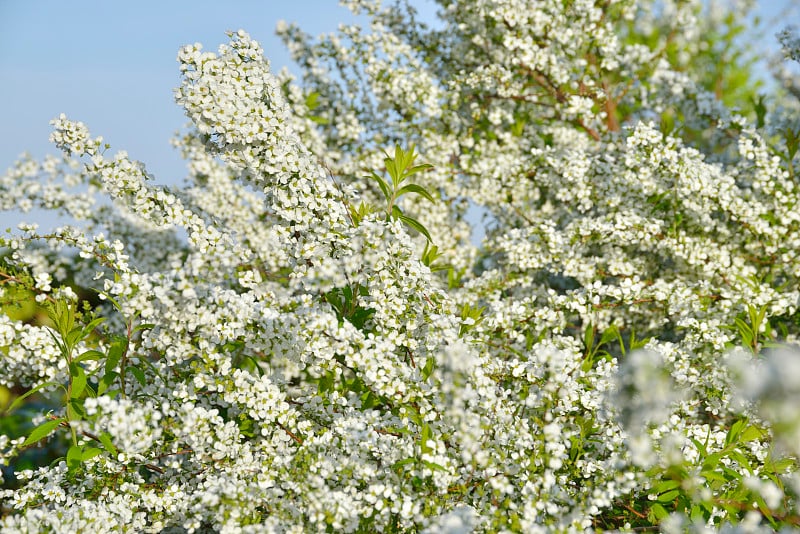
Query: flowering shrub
[305,338]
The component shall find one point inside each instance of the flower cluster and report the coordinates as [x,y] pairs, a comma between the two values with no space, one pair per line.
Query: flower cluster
[293,341]
[791,43]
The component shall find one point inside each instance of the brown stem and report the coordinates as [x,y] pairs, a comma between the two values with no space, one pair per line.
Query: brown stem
[297,440]
[411,357]
[388,432]
[612,123]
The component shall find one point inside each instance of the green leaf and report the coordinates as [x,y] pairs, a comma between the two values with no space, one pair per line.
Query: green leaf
[385,189]
[325,382]
[427,370]
[74,458]
[400,155]
[430,254]
[610,334]
[732,474]
[391,168]
[347,292]
[73,337]
[89,355]
[416,225]
[311,101]
[105,440]
[658,512]
[360,212]
[782,465]
[436,267]
[424,437]
[42,431]
[89,453]
[697,513]
[734,431]
[396,212]
[115,352]
[89,328]
[147,363]
[751,433]
[418,168]
[588,340]
[359,317]
[135,371]
[518,127]
[400,463]
[666,485]
[369,400]
[741,460]
[111,299]
[415,188]
[247,426]
[713,476]
[792,143]
[106,382]
[27,394]
[744,331]
[433,466]
[62,348]
[669,496]
[711,461]
[75,411]
[700,446]
[756,317]
[78,380]
[637,343]
[63,316]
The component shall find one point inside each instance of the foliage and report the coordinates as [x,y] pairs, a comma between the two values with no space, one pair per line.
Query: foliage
[303,337]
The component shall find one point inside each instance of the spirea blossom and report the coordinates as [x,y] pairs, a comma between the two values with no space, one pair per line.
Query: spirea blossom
[298,340]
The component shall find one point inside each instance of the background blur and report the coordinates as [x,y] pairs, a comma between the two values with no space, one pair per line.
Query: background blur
[112,65]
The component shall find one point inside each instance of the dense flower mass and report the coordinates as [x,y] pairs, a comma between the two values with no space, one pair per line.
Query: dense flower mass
[305,338]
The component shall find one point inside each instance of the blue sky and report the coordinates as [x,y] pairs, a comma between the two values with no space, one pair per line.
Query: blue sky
[112,65]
